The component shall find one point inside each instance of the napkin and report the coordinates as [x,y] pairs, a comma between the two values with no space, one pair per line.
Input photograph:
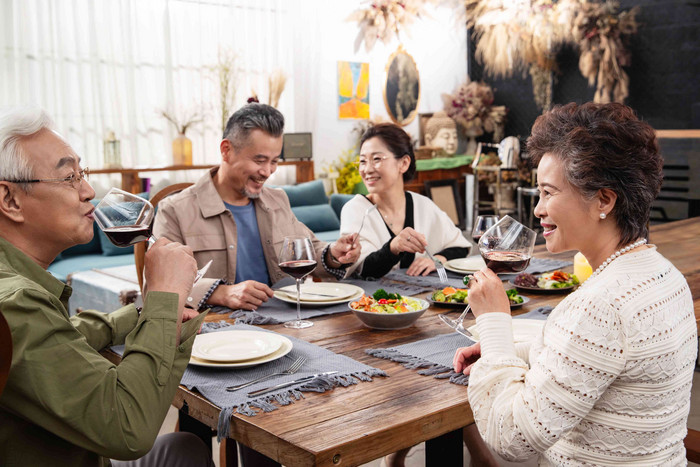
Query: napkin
[433,356]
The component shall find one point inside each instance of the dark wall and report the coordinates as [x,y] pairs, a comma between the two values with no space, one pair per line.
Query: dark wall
[664,75]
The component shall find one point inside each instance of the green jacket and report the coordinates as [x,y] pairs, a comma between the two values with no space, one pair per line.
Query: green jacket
[64,403]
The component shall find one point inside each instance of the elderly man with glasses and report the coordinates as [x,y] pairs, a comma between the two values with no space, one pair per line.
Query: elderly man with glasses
[65,404]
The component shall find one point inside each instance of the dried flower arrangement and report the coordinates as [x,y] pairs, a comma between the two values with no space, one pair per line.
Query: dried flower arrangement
[226,73]
[601,32]
[526,36]
[384,19]
[472,107]
[183,120]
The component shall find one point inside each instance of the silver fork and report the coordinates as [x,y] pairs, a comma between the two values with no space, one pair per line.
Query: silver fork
[442,274]
[369,209]
[293,368]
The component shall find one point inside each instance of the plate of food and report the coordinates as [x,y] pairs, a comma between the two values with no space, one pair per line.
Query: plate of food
[388,311]
[457,298]
[549,282]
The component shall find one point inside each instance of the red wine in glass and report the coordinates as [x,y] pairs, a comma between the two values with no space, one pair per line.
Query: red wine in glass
[298,269]
[125,235]
[476,239]
[505,261]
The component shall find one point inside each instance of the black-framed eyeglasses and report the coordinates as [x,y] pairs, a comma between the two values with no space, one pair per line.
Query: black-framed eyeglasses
[75,180]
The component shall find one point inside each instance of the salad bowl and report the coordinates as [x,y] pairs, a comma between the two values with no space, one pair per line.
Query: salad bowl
[391,321]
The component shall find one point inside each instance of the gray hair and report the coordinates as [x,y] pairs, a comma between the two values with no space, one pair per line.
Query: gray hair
[251,117]
[17,123]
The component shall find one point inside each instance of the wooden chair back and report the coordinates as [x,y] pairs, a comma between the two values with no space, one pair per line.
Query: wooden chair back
[140,248]
[5,351]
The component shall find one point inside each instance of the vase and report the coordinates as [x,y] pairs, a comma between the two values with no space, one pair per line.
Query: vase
[471,134]
[182,150]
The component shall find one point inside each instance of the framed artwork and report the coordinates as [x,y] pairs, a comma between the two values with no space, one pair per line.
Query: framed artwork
[445,193]
[353,90]
[401,87]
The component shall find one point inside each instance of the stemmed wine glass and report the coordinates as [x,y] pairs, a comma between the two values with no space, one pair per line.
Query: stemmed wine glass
[298,259]
[481,225]
[506,247]
[127,219]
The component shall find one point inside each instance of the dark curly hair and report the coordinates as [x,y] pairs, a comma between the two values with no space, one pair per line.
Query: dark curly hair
[398,142]
[604,146]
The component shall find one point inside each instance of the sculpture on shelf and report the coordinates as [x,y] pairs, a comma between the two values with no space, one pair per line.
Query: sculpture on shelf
[441,132]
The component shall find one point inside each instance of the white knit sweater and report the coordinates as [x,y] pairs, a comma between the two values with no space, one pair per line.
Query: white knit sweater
[607,382]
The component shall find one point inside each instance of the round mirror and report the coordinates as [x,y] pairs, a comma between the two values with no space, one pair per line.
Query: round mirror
[401,87]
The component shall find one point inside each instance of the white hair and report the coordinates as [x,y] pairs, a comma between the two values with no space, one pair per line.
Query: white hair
[15,124]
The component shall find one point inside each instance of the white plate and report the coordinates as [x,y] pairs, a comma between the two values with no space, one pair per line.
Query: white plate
[320,291]
[284,349]
[465,265]
[524,330]
[293,298]
[235,345]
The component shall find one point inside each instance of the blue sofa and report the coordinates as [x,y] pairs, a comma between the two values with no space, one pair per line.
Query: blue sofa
[312,207]
[309,203]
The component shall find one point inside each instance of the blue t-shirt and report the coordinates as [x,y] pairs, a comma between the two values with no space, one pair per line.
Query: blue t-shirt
[250,260]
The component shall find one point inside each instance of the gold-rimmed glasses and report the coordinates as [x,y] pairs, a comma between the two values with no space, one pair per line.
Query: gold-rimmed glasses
[75,180]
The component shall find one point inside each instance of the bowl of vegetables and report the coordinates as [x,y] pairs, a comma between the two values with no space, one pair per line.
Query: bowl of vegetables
[388,311]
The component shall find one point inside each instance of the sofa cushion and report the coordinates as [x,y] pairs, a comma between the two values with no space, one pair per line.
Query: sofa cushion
[317,218]
[306,194]
[338,200]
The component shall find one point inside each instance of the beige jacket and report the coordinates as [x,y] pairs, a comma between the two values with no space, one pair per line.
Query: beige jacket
[197,217]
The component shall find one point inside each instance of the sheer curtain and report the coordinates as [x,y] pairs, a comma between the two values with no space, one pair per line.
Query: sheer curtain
[101,65]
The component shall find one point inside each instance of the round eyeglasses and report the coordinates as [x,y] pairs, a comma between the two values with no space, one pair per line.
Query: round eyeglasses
[376,162]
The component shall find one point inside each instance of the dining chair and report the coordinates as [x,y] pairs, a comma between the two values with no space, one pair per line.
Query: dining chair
[692,446]
[140,248]
[5,351]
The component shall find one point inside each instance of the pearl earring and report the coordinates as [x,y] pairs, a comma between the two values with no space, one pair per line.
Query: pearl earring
[603,215]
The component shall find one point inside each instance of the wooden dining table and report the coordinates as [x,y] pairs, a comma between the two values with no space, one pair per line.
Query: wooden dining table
[356,424]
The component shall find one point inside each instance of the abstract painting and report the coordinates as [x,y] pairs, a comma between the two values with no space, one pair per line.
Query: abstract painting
[353,90]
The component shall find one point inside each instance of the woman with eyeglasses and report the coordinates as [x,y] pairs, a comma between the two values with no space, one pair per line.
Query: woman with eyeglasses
[404,224]
[400,229]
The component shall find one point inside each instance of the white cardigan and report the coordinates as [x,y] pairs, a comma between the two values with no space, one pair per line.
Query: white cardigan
[607,383]
[428,219]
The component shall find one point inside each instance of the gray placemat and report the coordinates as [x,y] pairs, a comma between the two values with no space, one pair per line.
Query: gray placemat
[433,356]
[276,311]
[212,382]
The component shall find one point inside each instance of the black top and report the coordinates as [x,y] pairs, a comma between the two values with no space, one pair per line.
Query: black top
[380,262]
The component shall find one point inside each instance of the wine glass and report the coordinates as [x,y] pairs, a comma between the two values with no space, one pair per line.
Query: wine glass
[127,219]
[298,259]
[481,225]
[507,246]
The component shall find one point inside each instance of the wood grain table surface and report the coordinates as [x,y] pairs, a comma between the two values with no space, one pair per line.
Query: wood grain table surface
[354,425]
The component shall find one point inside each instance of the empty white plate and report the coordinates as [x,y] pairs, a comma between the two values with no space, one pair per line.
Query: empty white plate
[524,330]
[321,291]
[235,345]
[465,265]
[284,349]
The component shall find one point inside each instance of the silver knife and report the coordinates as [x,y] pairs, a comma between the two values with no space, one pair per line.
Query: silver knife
[290,383]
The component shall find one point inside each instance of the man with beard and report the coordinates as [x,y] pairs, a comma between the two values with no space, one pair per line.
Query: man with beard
[229,217]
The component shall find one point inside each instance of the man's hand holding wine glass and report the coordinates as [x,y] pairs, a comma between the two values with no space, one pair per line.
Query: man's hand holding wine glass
[171,267]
